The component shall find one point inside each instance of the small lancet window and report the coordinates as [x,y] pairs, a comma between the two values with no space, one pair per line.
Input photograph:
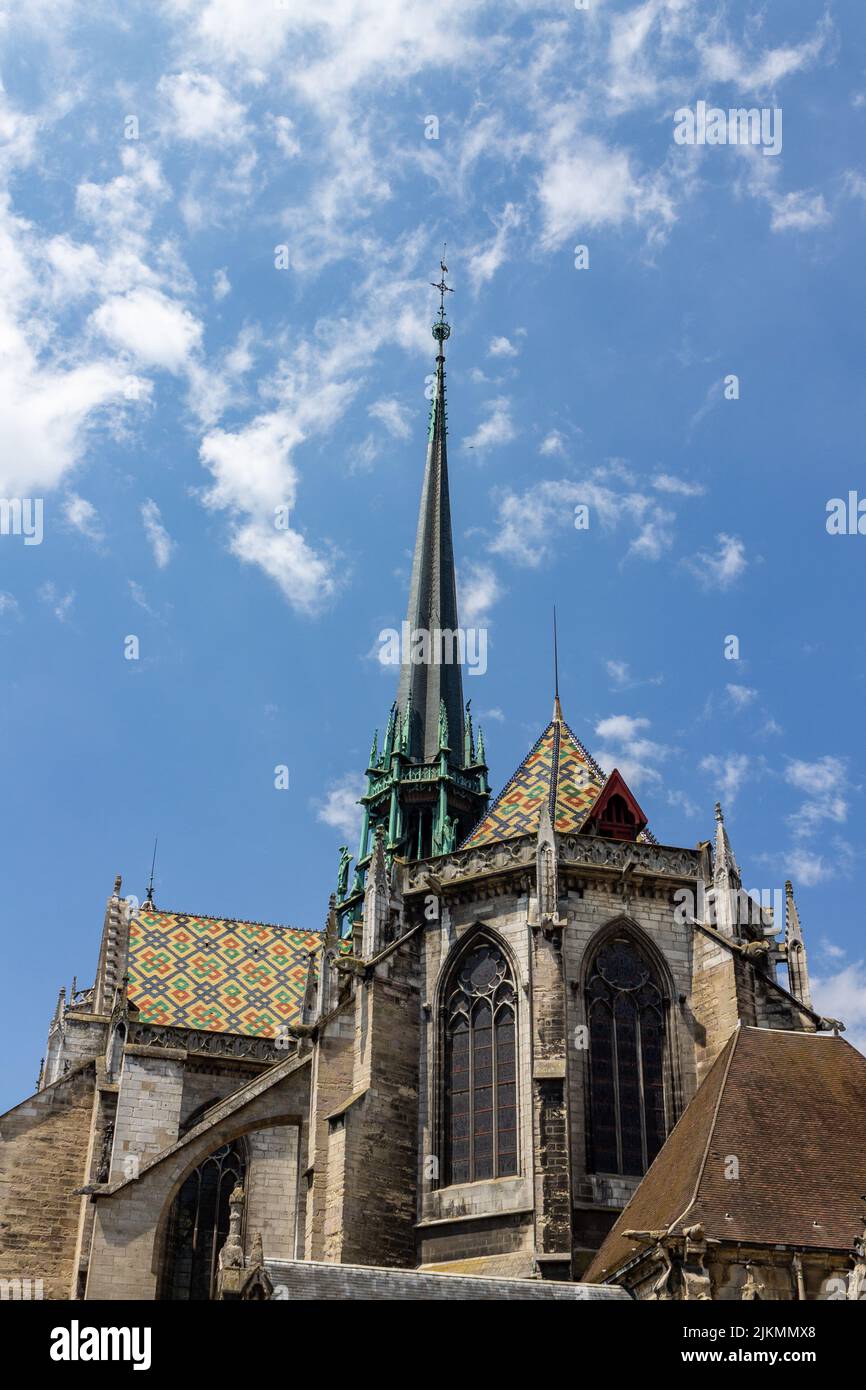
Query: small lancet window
[481,1068]
[626,1012]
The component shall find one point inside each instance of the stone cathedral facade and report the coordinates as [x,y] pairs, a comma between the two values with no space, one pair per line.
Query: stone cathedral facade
[532,1053]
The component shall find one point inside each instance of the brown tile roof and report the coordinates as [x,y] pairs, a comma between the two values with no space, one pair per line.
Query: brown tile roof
[791,1107]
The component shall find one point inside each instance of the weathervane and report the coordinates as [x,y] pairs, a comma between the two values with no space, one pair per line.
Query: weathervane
[441,330]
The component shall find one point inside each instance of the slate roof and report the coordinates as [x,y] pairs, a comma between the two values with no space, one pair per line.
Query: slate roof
[557,770]
[216,974]
[792,1108]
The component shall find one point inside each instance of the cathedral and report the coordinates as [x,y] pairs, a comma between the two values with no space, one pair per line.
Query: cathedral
[532,1054]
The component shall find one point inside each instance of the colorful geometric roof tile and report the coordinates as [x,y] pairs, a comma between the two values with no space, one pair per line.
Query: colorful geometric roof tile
[218,975]
[557,770]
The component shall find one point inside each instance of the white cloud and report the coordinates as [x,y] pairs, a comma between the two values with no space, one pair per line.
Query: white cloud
[825,780]
[798,211]
[586,184]
[728,774]
[528,522]
[284,134]
[806,867]
[83,516]
[215,384]
[485,259]
[160,541]
[139,597]
[497,429]
[854,183]
[253,475]
[60,604]
[620,726]
[843,996]
[723,62]
[823,775]
[552,443]
[340,808]
[619,672]
[496,713]
[393,415]
[502,347]
[666,482]
[828,948]
[125,205]
[478,590]
[155,329]
[626,748]
[8,604]
[721,570]
[47,411]
[221,284]
[741,695]
[201,110]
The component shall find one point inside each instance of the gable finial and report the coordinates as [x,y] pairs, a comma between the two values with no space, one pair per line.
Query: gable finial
[440,285]
[441,328]
[557,707]
[149,898]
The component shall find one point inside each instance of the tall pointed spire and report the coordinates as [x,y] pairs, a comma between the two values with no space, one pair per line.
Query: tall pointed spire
[427,787]
[432,608]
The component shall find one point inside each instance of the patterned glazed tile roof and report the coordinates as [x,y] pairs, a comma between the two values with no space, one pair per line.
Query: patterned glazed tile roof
[220,976]
[557,770]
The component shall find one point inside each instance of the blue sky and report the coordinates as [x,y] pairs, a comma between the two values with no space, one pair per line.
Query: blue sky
[165,386]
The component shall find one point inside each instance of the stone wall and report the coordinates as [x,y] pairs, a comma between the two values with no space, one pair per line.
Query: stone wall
[148,1107]
[715,998]
[371,1203]
[552,1064]
[271,1191]
[130,1225]
[43,1155]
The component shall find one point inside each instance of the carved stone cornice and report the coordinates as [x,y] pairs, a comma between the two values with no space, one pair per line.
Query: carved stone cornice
[592,852]
[198,1043]
[466,864]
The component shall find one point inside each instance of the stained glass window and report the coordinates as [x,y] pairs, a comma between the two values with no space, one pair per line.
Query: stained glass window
[626,1013]
[199,1224]
[481,1068]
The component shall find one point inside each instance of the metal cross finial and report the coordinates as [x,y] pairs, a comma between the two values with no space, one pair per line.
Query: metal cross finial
[441,285]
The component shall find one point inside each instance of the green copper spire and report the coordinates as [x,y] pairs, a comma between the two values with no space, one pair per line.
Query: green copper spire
[426,789]
[432,607]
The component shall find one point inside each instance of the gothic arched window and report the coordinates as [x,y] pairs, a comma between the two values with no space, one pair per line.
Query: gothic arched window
[480,1068]
[626,1013]
[199,1223]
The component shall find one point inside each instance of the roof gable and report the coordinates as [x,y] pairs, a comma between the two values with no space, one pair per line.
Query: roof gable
[616,786]
[557,771]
